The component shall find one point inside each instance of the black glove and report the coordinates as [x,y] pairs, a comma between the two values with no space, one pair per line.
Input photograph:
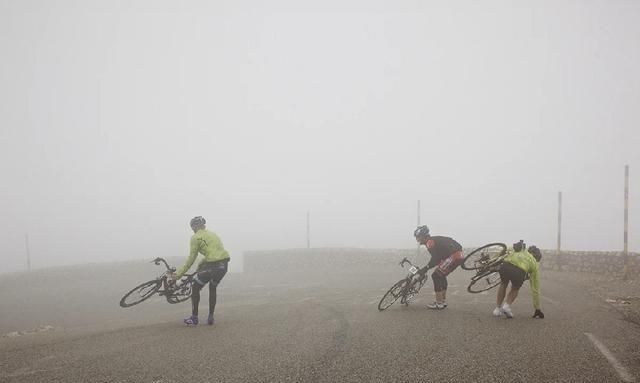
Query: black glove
[538,314]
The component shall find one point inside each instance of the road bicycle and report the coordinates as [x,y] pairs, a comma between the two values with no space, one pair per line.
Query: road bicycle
[174,292]
[406,288]
[486,261]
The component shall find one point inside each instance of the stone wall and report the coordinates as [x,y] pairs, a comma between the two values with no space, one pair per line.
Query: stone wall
[335,259]
[598,262]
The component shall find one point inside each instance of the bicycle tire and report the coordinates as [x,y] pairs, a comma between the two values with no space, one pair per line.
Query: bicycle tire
[485,282]
[392,295]
[146,290]
[472,260]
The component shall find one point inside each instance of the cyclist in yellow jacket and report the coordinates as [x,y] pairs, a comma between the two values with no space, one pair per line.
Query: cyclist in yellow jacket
[519,264]
[211,269]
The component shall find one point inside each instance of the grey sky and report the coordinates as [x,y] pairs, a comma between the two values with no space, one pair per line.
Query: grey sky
[120,120]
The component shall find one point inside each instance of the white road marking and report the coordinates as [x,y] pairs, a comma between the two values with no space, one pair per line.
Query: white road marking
[620,369]
[549,300]
[374,301]
[39,329]
[455,292]
[25,371]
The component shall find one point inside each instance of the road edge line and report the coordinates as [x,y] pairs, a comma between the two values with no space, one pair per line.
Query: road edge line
[620,369]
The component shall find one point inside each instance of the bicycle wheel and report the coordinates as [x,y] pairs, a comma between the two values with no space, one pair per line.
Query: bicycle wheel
[395,292]
[485,282]
[140,293]
[412,291]
[483,256]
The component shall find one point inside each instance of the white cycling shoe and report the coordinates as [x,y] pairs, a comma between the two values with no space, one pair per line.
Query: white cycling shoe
[437,305]
[497,312]
[506,310]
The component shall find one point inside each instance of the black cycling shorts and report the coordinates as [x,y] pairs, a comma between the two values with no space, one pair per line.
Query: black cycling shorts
[512,273]
[211,272]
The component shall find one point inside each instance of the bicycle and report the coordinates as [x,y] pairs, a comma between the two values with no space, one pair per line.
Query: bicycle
[174,292]
[486,260]
[406,288]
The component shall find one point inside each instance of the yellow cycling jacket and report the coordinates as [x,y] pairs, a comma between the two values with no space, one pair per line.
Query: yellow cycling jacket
[206,243]
[526,262]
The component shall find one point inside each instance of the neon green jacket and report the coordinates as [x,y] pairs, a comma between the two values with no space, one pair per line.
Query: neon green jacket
[207,244]
[525,261]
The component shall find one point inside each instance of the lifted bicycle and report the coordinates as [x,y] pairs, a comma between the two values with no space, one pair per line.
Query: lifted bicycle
[174,292]
[406,288]
[486,261]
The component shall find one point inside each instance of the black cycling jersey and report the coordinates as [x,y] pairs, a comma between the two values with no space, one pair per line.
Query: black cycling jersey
[440,248]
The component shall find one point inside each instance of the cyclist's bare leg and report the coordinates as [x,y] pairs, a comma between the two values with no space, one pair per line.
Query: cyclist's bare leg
[502,291]
[513,294]
[440,296]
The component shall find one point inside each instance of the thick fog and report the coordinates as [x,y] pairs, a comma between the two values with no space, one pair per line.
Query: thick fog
[121,120]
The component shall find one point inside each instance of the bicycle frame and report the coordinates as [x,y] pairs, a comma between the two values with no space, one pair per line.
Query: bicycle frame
[173,291]
[415,280]
[406,288]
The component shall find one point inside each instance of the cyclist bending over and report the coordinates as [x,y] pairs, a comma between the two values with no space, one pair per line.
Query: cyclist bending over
[519,264]
[446,255]
[210,270]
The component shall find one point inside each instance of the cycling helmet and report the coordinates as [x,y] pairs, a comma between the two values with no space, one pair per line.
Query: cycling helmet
[197,221]
[519,246]
[421,231]
[537,254]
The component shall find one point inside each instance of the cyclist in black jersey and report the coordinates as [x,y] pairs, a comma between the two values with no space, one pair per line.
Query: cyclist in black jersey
[446,256]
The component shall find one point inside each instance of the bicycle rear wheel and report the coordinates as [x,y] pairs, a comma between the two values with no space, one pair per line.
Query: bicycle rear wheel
[483,256]
[484,283]
[140,293]
[395,292]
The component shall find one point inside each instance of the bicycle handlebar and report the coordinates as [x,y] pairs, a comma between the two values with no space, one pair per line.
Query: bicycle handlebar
[158,260]
[405,260]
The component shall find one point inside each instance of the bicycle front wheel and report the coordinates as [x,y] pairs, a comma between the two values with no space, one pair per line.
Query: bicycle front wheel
[484,283]
[483,256]
[395,292]
[140,293]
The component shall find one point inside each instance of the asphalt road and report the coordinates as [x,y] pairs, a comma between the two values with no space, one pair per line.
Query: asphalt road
[307,327]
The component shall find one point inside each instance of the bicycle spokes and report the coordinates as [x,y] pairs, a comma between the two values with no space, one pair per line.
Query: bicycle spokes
[144,292]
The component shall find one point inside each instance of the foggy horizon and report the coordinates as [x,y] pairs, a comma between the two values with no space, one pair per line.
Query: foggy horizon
[121,121]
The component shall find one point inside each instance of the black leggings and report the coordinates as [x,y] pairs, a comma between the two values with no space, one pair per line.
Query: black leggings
[211,273]
[439,281]
[195,297]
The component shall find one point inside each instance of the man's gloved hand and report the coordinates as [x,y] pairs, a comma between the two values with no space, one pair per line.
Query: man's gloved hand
[538,314]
